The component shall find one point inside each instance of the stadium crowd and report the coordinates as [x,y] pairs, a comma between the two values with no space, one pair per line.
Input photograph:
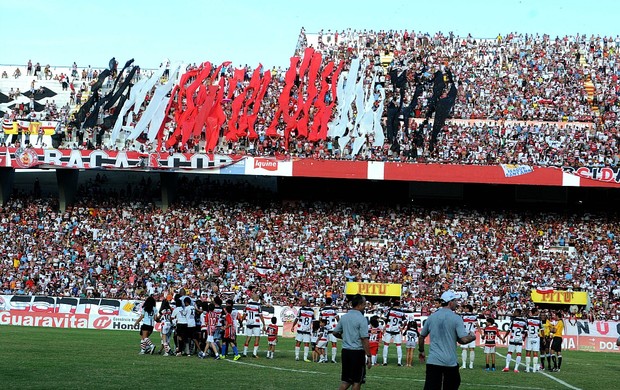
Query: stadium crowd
[516,94]
[121,245]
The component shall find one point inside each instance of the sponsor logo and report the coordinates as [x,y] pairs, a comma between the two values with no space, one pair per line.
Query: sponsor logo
[266,164]
[117,325]
[43,319]
[102,323]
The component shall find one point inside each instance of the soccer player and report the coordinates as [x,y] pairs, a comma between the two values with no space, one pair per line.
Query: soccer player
[304,319]
[209,323]
[321,342]
[179,315]
[490,334]
[192,329]
[518,325]
[411,340]
[230,334]
[394,319]
[272,337]
[149,311]
[532,340]
[557,330]
[330,314]
[218,312]
[471,326]
[375,332]
[165,311]
[253,317]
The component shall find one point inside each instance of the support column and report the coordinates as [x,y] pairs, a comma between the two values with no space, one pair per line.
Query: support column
[67,180]
[7,175]
[169,183]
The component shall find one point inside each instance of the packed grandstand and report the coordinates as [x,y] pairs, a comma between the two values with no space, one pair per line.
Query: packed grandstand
[353,95]
[521,99]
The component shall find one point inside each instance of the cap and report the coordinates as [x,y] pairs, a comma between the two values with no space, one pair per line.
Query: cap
[449,296]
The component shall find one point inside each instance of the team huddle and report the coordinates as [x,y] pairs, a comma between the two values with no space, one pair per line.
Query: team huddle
[206,329]
[541,336]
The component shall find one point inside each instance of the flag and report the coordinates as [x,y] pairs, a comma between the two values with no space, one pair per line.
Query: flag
[262,271]
[544,290]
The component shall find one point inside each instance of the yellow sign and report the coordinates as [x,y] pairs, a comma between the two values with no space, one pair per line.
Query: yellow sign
[560,297]
[373,289]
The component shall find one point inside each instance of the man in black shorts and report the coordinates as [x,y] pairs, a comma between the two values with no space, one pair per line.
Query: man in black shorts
[353,330]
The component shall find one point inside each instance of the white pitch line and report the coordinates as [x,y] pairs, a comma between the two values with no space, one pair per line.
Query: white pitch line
[560,381]
[275,368]
[495,386]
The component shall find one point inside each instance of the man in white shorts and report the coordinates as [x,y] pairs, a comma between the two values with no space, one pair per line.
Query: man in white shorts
[517,329]
[532,340]
[470,319]
[253,317]
[394,320]
[330,315]
[304,319]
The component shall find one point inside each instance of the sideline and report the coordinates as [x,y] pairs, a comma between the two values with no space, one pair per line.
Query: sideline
[495,386]
[560,381]
[274,368]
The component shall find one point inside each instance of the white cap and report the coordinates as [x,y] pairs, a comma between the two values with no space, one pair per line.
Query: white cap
[449,296]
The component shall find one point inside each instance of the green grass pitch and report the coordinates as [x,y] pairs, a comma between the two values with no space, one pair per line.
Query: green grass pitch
[46,358]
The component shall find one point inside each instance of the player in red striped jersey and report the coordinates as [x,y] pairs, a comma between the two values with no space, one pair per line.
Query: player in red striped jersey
[330,314]
[532,341]
[253,316]
[470,319]
[518,326]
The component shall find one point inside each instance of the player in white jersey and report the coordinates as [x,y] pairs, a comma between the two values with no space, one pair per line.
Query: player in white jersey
[178,317]
[165,311]
[254,322]
[149,311]
[516,332]
[304,319]
[532,341]
[330,315]
[470,319]
[192,328]
[394,323]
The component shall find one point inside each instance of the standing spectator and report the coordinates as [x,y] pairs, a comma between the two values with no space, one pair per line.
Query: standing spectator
[446,328]
[356,357]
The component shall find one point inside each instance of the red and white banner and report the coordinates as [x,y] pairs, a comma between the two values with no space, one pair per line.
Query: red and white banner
[307,167]
[107,159]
